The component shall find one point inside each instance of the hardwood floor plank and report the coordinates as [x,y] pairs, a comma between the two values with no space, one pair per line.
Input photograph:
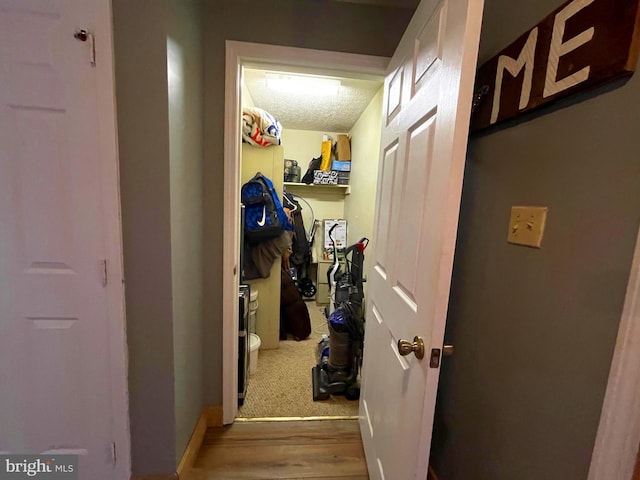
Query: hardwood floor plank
[319,450]
[198,474]
[357,477]
[338,431]
[285,461]
[349,477]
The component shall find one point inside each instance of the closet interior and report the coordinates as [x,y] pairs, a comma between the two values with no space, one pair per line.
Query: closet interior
[316,138]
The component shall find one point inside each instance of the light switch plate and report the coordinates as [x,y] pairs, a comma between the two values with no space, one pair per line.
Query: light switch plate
[526,225]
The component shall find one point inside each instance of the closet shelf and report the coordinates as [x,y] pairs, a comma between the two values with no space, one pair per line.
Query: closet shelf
[344,189]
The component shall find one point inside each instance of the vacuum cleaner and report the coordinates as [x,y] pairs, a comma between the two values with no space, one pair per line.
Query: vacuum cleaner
[339,354]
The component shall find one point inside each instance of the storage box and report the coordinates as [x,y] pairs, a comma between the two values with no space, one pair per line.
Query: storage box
[343,149]
[341,166]
[339,234]
[325,178]
[343,178]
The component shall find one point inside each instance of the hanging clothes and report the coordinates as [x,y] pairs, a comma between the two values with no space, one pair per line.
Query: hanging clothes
[300,245]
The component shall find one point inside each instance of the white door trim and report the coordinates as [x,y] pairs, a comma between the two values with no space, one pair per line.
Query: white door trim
[239,54]
[616,446]
[110,178]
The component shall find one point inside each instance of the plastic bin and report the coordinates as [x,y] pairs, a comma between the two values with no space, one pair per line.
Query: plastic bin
[253,310]
[254,348]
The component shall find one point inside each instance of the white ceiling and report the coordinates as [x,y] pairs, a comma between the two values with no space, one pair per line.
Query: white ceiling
[329,113]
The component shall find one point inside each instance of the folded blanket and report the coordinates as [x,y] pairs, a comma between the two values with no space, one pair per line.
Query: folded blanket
[259,127]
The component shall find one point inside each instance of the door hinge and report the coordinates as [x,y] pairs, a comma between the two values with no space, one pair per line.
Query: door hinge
[113,453]
[105,274]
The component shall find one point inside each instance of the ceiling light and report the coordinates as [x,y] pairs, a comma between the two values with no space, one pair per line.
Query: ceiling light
[302,84]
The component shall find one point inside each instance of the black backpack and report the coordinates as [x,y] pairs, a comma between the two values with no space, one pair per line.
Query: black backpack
[314,165]
[264,216]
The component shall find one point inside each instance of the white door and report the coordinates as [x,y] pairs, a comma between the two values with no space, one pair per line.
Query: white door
[55,375]
[428,93]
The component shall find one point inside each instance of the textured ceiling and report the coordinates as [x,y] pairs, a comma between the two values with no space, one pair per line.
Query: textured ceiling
[330,113]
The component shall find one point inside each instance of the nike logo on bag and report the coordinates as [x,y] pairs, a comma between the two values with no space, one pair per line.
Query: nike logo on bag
[264,217]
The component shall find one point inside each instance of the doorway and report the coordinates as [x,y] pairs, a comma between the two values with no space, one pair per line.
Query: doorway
[329,203]
[311,109]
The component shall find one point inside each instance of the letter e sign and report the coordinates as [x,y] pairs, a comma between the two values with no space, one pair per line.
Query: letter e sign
[581,45]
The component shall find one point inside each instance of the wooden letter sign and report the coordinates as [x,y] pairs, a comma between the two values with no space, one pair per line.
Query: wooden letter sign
[583,44]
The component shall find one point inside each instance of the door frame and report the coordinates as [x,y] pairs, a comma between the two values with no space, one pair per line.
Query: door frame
[616,446]
[110,182]
[239,55]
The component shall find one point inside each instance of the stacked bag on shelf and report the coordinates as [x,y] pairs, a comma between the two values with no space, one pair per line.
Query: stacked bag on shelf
[260,128]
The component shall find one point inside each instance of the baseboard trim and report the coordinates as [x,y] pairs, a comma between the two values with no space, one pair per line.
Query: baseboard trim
[296,419]
[213,414]
[193,447]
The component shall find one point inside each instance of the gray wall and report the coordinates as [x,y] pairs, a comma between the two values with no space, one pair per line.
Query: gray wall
[140,36]
[315,24]
[159,167]
[184,55]
[534,330]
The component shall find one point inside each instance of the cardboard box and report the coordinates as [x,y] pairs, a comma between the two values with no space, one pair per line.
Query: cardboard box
[339,234]
[341,166]
[343,148]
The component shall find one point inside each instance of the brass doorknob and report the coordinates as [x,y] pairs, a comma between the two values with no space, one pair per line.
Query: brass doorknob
[447,350]
[405,347]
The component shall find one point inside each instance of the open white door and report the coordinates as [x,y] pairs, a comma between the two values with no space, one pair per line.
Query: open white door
[428,94]
[62,365]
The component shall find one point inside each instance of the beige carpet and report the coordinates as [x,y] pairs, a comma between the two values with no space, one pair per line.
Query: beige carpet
[281,387]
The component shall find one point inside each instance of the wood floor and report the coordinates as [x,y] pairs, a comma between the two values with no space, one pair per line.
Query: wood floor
[320,450]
